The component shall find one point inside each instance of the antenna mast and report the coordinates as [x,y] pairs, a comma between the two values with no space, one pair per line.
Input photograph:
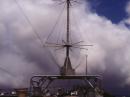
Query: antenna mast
[67,68]
[68,27]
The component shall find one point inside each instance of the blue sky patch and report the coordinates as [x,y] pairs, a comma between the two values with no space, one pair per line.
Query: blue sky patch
[114,10]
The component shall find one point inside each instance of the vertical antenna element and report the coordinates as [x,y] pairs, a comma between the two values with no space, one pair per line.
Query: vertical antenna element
[67,67]
[68,20]
[68,26]
[86,64]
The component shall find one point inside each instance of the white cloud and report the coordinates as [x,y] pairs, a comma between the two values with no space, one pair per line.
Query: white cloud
[127,9]
[111,41]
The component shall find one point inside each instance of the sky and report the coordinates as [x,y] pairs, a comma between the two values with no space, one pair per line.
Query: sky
[114,10]
[103,23]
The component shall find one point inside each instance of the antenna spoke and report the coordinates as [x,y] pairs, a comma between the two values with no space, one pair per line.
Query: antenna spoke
[53,46]
[79,47]
[83,45]
[59,48]
[53,43]
[77,42]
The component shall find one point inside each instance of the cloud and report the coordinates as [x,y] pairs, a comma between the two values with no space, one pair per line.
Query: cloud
[22,55]
[127,9]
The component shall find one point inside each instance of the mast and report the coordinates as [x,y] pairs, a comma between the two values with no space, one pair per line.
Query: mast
[68,27]
[67,68]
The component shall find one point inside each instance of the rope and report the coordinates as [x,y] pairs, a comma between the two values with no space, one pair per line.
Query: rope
[58,18]
[28,20]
